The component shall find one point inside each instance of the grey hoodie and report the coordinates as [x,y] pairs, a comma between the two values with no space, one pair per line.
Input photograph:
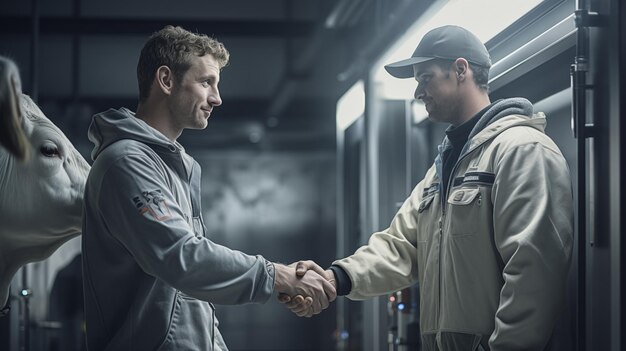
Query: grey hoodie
[150,274]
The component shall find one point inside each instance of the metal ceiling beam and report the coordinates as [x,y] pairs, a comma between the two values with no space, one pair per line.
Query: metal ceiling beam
[346,13]
[107,26]
[302,62]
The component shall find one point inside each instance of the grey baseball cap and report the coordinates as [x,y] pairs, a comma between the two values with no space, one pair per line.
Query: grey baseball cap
[447,42]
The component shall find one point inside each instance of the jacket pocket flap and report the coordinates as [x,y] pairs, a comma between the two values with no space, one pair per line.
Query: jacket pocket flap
[463,196]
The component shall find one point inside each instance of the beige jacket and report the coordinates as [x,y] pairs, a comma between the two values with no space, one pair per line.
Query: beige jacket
[492,259]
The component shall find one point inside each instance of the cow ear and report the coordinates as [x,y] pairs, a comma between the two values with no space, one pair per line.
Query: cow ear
[12,135]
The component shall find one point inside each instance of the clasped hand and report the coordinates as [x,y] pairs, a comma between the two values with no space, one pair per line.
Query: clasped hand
[305,288]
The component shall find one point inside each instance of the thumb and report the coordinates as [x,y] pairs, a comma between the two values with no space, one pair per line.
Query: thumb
[301,268]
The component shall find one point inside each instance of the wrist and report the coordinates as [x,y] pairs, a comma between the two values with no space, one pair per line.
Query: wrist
[279,277]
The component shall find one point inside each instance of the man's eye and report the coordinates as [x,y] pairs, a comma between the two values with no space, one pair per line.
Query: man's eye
[205,84]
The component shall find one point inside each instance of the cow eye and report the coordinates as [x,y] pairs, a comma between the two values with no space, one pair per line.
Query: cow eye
[49,150]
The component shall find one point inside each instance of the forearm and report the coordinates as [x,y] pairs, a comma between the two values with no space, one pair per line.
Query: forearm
[386,264]
[211,272]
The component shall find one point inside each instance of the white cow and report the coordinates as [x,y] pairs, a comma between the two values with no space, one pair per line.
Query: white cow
[41,196]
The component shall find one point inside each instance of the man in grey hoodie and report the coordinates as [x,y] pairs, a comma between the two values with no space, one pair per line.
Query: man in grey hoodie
[488,232]
[150,274]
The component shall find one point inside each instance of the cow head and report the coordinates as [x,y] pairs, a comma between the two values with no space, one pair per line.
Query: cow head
[41,196]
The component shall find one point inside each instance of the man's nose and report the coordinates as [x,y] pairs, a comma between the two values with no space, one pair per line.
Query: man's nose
[215,99]
[419,93]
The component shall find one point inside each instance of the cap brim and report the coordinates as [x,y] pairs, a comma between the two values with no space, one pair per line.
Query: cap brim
[404,68]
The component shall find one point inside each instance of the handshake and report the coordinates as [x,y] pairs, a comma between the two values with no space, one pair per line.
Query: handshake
[304,287]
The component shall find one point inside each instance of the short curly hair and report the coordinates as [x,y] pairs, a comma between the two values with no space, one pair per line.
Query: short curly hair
[173,47]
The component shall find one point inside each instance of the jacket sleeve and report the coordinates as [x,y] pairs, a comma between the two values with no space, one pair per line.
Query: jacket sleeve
[388,262]
[533,230]
[141,212]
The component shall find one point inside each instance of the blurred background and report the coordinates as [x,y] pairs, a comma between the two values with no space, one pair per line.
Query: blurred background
[315,146]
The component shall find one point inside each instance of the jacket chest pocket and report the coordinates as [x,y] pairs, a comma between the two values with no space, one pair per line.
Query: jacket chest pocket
[466,211]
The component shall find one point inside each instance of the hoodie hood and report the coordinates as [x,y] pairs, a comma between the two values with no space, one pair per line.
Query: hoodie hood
[503,108]
[113,125]
[517,110]
[502,115]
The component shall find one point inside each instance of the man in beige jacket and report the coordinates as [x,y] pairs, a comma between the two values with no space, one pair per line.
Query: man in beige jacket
[488,232]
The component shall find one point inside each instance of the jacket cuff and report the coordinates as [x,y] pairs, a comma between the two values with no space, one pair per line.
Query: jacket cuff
[271,272]
[344,284]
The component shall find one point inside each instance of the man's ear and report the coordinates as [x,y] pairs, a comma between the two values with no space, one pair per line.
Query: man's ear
[461,67]
[165,79]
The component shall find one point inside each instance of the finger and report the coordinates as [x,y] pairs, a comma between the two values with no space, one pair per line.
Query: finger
[300,310]
[306,301]
[299,302]
[301,313]
[283,298]
[324,303]
[291,305]
[317,306]
[307,313]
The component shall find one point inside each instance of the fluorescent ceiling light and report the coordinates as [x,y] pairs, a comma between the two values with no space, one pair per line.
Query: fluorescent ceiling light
[485,18]
[351,105]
